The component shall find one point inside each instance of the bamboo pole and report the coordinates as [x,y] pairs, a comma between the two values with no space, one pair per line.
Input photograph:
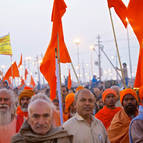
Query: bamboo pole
[11,70]
[115,40]
[111,63]
[75,73]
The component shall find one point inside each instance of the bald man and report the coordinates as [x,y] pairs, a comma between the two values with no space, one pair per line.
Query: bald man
[83,126]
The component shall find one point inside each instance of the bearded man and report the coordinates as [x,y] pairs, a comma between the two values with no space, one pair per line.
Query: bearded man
[9,123]
[24,99]
[118,131]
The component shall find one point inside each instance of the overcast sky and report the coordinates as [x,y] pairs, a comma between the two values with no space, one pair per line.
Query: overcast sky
[29,25]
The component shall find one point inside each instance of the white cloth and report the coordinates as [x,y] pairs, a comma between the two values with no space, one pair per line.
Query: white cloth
[83,132]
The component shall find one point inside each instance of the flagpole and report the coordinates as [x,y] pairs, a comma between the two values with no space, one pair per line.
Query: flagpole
[75,72]
[11,69]
[129,52]
[117,47]
[111,63]
[59,79]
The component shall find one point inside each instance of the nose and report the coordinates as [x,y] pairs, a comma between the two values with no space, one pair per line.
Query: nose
[25,101]
[87,102]
[41,121]
[2,101]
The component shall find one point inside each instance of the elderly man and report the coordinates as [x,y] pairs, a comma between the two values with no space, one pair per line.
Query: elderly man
[136,125]
[119,128]
[39,126]
[24,99]
[83,126]
[9,124]
[107,113]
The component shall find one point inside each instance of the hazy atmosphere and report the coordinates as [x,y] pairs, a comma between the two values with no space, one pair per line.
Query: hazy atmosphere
[29,24]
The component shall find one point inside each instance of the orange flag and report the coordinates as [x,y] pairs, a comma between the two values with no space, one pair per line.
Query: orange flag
[32,82]
[120,9]
[9,82]
[135,17]
[48,65]
[26,73]
[69,81]
[12,71]
[20,63]
[22,83]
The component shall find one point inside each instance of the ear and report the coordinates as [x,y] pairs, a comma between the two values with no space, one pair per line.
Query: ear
[28,121]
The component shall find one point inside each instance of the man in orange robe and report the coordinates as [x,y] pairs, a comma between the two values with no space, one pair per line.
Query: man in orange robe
[69,106]
[118,131]
[24,99]
[107,113]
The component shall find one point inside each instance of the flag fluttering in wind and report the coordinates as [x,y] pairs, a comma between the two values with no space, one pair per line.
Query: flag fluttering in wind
[5,46]
[22,83]
[69,81]
[26,73]
[12,72]
[32,82]
[20,63]
[135,17]
[48,65]
[120,9]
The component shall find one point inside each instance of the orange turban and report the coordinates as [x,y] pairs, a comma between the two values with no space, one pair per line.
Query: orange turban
[79,88]
[27,93]
[69,100]
[108,91]
[127,91]
[27,87]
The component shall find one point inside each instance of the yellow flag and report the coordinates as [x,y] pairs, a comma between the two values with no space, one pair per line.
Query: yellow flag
[5,47]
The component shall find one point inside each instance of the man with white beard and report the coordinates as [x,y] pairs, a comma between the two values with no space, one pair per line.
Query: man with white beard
[9,123]
[24,99]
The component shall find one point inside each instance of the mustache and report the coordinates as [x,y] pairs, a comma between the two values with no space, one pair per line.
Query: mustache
[130,105]
[4,106]
[41,126]
[25,104]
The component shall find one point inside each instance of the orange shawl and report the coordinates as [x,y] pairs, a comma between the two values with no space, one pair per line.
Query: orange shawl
[106,115]
[56,118]
[119,128]
[21,113]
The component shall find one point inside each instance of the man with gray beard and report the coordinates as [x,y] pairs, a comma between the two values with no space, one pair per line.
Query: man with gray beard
[24,99]
[9,123]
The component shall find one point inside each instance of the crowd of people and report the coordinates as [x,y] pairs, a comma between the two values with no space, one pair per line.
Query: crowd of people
[90,115]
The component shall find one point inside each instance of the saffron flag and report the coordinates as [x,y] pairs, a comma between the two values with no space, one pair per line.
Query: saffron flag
[48,65]
[12,72]
[120,9]
[32,82]
[69,81]
[26,73]
[135,17]
[5,46]
[22,83]
[20,63]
